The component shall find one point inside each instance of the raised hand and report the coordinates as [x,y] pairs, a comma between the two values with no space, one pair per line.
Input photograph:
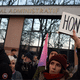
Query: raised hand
[76,39]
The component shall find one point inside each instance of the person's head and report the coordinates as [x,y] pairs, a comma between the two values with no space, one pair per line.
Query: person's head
[52,54]
[12,62]
[35,58]
[5,71]
[56,64]
[29,57]
[13,51]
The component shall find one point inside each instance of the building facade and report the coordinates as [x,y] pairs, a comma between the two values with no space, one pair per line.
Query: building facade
[26,27]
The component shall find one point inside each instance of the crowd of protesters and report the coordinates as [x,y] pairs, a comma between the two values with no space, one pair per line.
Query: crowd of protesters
[26,68]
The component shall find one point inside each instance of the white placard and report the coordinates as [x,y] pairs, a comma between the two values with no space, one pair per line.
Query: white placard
[68,23]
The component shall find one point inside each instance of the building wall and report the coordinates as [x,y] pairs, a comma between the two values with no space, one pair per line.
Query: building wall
[13,35]
[15,25]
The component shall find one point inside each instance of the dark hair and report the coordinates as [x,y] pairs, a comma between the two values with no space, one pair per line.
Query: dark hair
[53,50]
[13,50]
[50,53]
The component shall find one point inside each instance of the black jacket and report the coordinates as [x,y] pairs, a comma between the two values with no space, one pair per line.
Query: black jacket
[3,57]
[27,72]
[76,75]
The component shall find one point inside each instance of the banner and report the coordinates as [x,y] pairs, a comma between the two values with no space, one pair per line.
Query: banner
[42,61]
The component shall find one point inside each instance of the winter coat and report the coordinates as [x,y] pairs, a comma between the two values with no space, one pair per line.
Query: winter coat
[37,73]
[27,71]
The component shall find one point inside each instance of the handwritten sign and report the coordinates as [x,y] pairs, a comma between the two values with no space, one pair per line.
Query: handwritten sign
[68,23]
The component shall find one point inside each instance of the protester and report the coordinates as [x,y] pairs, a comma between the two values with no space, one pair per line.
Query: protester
[13,53]
[53,53]
[25,66]
[29,57]
[57,65]
[5,70]
[35,61]
[42,68]
[55,68]
[16,75]
[76,75]
[30,69]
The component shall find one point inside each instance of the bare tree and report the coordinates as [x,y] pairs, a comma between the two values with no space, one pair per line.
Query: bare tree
[3,27]
[44,2]
[53,2]
[9,2]
[46,26]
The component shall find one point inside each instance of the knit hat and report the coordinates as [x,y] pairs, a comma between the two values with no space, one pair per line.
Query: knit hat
[62,59]
[28,54]
[5,71]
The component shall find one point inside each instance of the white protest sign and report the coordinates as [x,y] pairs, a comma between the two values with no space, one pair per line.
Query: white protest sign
[68,23]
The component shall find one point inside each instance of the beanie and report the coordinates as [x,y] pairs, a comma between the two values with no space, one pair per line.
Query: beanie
[28,54]
[5,71]
[62,59]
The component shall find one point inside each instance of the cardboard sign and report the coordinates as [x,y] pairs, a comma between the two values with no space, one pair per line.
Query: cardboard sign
[68,23]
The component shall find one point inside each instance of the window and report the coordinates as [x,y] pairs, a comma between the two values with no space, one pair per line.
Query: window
[21,2]
[35,30]
[3,28]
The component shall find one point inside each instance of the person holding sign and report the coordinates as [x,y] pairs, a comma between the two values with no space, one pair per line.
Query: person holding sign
[76,75]
[57,65]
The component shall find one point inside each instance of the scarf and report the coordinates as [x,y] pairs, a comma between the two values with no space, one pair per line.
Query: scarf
[49,76]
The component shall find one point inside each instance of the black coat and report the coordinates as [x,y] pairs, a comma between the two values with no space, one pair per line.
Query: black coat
[3,57]
[28,72]
[76,75]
